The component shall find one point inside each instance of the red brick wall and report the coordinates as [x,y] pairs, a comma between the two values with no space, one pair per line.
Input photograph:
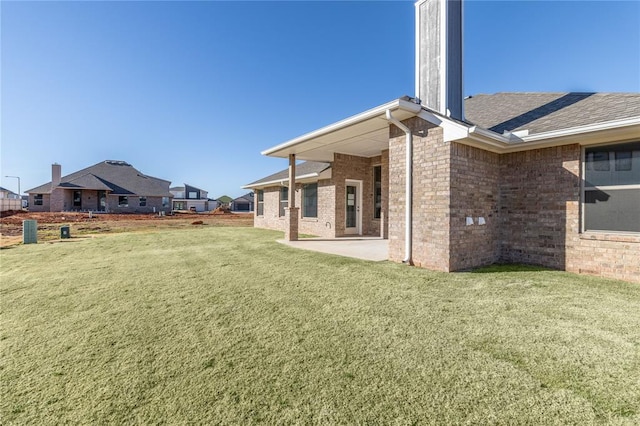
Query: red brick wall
[322,226]
[536,190]
[270,218]
[431,163]
[530,202]
[45,207]
[330,222]
[474,194]
[540,216]
[57,200]
[540,208]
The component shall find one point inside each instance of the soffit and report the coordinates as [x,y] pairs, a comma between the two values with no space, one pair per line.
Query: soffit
[364,135]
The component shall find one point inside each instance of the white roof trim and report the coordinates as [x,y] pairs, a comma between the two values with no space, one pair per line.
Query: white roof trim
[610,131]
[591,128]
[309,177]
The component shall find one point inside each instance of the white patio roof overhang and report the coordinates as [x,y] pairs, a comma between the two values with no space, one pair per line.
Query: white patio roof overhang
[364,135]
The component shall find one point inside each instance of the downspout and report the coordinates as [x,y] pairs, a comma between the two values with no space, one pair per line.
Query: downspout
[408,232]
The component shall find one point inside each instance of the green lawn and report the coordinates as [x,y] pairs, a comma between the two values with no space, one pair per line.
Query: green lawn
[224,325]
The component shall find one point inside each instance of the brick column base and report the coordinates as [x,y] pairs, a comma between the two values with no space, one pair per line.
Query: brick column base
[291,224]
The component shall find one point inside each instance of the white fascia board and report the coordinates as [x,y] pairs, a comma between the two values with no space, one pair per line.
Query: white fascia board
[350,121]
[611,131]
[616,125]
[309,177]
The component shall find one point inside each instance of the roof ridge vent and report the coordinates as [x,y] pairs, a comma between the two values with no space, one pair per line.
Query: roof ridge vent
[117,163]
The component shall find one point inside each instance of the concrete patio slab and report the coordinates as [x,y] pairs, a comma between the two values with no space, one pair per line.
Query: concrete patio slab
[366,248]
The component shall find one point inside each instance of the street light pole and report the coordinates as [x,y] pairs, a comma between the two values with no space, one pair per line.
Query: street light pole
[19,192]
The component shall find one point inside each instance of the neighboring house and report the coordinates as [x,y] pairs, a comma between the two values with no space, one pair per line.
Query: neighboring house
[109,186]
[9,200]
[243,203]
[189,197]
[549,179]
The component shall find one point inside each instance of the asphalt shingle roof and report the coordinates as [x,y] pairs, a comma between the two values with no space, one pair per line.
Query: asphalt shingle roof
[118,177]
[246,197]
[302,169]
[544,112]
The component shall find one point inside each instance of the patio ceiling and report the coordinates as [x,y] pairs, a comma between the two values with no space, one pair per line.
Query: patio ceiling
[364,135]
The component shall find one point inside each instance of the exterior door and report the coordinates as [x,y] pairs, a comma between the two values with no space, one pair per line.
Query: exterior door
[102,201]
[353,213]
[77,200]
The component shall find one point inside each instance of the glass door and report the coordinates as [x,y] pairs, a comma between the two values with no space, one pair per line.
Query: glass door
[352,209]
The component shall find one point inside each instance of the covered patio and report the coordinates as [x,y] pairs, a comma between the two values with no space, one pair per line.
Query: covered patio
[350,146]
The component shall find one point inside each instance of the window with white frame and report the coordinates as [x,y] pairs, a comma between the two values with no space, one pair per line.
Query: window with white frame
[310,200]
[123,201]
[284,199]
[611,195]
[260,209]
[37,200]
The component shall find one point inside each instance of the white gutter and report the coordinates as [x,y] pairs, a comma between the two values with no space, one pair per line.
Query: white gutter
[281,182]
[627,128]
[598,127]
[408,234]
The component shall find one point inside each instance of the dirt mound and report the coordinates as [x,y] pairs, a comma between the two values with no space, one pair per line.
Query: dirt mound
[221,210]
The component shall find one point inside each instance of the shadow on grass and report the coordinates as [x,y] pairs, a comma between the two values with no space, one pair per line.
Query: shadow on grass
[499,268]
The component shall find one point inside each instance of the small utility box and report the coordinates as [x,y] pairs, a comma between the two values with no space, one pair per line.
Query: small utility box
[65,232]
[29,231]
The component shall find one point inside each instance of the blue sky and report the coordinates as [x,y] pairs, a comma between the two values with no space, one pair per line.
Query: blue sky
[192,91]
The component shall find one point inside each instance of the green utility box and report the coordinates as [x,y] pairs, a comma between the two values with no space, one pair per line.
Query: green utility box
[65,232]
[29,231]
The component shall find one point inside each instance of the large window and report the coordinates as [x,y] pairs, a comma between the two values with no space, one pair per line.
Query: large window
[377,192]
[143,201]
[284,199]
[611,198]
[123,201]
[310,200]
[165,201]
[260,209]
[37,200]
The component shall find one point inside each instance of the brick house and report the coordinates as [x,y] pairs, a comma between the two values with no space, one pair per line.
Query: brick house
[550,179]
[109,186]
